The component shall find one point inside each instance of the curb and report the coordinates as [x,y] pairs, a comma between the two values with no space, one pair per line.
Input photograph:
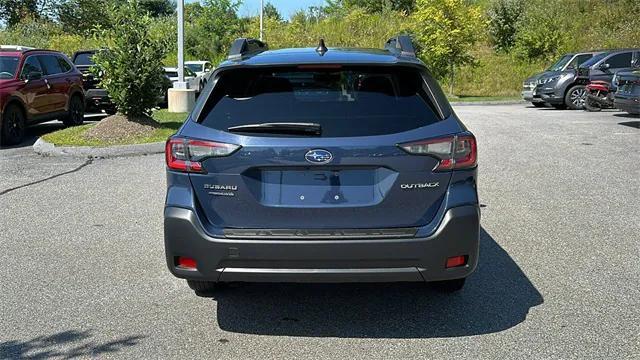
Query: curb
[497,102]
[48,149]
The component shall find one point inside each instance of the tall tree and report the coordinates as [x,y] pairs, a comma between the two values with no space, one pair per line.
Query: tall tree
[12,11]
[271,12]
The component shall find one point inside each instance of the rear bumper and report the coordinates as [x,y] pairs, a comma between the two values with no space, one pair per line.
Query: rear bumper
[627,105]
[339,260]
[97,98]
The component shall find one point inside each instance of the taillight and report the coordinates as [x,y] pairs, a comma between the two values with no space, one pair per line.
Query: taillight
[454,152]
[187,155]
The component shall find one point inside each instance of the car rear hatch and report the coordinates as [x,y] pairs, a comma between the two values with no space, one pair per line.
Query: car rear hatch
[317,152]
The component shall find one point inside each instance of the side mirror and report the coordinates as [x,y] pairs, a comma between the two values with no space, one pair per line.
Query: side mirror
[34,75]
[604,66]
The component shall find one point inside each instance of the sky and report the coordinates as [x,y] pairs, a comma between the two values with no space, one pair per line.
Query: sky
[285,7]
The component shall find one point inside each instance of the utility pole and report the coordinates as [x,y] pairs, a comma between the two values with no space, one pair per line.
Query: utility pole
[261,20]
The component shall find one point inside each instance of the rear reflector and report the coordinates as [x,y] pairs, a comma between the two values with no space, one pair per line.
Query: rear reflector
[454,152]
[186,263]
[456,261]
[187,155]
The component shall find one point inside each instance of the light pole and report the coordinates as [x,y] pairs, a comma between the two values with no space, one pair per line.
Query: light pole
[180,98]
[180,84]
[261,21]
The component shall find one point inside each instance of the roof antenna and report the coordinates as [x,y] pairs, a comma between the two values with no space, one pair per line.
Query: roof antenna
[321,49]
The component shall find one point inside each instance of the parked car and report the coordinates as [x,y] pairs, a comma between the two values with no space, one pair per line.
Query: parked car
[37,86]
[191,78]
[204,69]
[96,98]
[627,98]
[605,66]
[322,165]
[563,68]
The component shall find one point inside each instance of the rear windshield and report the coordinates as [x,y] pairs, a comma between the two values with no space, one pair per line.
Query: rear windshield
[84,59]
[343,101]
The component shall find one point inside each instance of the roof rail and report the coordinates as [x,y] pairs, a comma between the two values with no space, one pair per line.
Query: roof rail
[15,47]
[400,45]
[244,47]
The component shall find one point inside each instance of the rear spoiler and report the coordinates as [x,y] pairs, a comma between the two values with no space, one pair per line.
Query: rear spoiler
[244,47]
[400,45]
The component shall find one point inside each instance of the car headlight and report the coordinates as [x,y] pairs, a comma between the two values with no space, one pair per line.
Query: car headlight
[548,80]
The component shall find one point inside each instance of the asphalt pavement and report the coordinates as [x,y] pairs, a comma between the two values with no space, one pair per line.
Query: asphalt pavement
[83,271]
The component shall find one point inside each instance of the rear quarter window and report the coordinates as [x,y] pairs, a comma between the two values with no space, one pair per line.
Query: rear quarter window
[358,101]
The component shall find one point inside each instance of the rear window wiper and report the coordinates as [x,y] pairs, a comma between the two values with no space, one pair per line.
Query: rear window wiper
[312,129]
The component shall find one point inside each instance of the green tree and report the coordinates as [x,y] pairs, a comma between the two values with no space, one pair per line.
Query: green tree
[82,16]
[133,64]
[158,8]
[271,12]
[13,11]
[446,31]
[504,16]
[337,6]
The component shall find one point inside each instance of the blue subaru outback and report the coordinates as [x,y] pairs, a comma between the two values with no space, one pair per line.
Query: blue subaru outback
[322,165]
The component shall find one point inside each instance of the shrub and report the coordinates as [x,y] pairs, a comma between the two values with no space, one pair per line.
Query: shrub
[503,20]
[133,64]
[447,31]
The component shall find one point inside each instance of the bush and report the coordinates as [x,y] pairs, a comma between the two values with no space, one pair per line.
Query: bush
[133,64]
[447,31]
[503,21]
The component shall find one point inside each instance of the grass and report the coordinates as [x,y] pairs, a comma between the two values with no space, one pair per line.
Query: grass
[466,98]
[73,136]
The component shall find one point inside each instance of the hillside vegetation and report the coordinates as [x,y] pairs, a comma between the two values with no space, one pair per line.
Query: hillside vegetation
[486,46]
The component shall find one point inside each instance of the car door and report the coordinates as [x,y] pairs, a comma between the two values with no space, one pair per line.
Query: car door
[35,90]
[605,70]
[56,78]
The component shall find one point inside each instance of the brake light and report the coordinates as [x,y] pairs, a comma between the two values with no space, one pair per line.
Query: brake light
[454,152]
[187,155]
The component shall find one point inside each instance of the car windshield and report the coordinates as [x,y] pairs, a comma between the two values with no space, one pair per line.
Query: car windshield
[560,64]
[84,59]
[343,102]
[195,67]
[8,65]
[593,60]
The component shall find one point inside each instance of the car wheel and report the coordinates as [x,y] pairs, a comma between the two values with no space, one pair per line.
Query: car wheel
[75,116]
[575,97]
[13,125]
[538,104]
[449,286]
[204,287]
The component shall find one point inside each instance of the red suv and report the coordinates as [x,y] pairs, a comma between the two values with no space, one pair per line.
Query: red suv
[37,86]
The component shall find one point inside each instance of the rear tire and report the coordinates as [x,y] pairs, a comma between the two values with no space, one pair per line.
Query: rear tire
[591,105]
[574,99]
[75,116]
[449,286]
[202,286]
[13,125]
[538,104]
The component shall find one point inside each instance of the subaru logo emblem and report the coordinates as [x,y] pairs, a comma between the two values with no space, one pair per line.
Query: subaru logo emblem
[318,156]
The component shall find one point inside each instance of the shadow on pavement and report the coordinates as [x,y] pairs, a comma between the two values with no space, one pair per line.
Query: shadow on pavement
[67,344]
[496,297]
[33,132]
[633,124]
